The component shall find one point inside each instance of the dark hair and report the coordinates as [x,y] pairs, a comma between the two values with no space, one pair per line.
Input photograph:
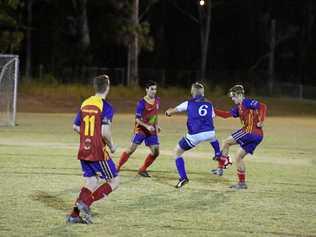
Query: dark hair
[150,83]
[101,83]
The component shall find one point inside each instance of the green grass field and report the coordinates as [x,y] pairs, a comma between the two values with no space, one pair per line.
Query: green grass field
[40,179]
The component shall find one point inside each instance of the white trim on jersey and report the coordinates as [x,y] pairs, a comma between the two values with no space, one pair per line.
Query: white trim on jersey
[213,112]
[182,107]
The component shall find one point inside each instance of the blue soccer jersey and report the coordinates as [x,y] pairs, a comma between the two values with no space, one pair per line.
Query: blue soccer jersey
[200,114]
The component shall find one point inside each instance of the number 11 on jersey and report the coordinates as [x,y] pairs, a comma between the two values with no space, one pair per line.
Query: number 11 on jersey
[89,124]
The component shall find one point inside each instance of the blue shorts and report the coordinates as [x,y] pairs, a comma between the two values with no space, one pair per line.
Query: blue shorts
[247,141]
[150,140]
[104,169]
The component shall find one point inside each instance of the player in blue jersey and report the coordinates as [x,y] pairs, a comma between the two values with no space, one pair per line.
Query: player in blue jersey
[200,113]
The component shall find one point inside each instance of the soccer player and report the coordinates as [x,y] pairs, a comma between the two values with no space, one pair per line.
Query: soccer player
[146,129]
[93,123]
[252,114]
[200,126]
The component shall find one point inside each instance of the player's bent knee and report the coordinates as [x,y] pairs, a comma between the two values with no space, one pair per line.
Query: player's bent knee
[91,183]
[114,183]
[156,153]
[227,143]
[178,151]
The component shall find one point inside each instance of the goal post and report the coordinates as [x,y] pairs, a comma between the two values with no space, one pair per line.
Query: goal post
[9,71]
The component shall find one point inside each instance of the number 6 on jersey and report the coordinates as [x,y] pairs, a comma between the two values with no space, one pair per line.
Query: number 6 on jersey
[203,110]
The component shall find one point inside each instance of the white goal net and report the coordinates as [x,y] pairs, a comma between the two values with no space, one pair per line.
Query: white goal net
[9,67]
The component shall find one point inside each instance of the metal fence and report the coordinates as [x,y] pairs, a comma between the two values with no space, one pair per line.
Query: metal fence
[255,82]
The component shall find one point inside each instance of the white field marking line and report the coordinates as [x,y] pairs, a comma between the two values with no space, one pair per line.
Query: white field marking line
[170,153]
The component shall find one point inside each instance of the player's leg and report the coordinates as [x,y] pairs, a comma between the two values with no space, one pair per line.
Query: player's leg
[223,160]
[241,169]
[248,143]
[183,145]
[227,143]
[108,180]
[136,141]
[217,151]
[85,198]
[83,201]
[153,143]
[100,186]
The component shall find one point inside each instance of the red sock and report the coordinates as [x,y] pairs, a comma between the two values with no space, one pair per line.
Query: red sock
[102,191]
[241,176]
[222,161]
[85,196]
[122,161]
[148,161]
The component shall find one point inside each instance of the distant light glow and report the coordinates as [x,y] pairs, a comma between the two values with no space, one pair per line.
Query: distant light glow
[202,2]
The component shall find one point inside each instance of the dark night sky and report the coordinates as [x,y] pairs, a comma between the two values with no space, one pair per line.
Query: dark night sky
[238,35]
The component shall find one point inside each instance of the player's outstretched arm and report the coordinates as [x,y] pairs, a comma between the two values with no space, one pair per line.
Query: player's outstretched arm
[171,111]
[222,113]
[107,136]
[180,108]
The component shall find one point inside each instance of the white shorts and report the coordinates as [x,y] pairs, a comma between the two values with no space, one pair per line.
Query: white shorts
[195,139]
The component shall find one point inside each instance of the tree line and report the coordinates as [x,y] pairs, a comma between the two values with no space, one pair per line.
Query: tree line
[270,36]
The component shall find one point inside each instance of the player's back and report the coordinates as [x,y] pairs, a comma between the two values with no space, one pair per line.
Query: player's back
[200,115]
[92,147]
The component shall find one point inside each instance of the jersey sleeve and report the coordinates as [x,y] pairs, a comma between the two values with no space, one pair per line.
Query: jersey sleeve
[140,109]
[107,113]
[234,112]
[182,107]
[222,113]
[262,111]
[251,104]
[77,120]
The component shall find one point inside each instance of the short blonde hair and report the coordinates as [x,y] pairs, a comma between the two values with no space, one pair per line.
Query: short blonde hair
[199,87]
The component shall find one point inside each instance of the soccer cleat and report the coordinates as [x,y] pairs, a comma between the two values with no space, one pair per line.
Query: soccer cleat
[216,158]
[182,182]
[144,174]
[85,212]
[238,186]
[217,171]
[75,220]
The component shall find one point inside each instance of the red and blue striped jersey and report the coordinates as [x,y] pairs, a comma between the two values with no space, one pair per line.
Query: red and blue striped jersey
[250,112]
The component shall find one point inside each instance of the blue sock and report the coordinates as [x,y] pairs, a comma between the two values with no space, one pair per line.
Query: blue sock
[217,150]
[181,168]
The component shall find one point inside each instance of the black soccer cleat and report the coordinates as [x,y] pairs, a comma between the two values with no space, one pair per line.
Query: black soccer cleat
[144,174]
[182,182]
[239,186]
